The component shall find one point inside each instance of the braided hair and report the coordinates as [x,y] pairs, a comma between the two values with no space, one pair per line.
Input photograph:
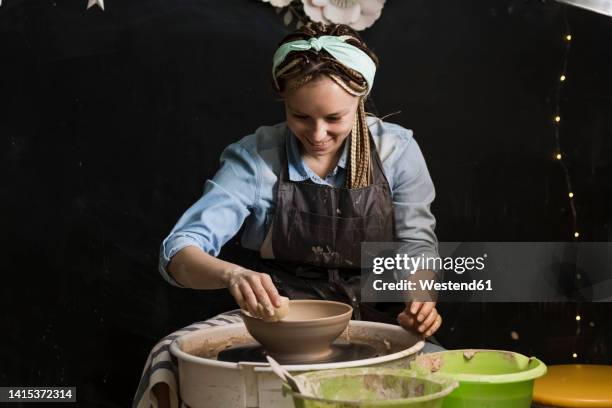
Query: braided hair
[301,67]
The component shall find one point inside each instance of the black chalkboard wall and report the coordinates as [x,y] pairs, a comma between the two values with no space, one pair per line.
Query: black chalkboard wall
[112,121]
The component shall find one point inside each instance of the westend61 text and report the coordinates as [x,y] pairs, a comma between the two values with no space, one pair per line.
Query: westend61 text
[430,284]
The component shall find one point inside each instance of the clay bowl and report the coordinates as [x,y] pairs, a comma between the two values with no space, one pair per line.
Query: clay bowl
[305,334]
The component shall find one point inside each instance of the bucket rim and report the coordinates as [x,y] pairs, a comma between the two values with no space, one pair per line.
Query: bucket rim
[182,356]
[448,384]
[526,375]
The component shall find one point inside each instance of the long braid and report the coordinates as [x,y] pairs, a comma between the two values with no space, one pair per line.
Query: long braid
[360,165]
[365,137]
[351,180]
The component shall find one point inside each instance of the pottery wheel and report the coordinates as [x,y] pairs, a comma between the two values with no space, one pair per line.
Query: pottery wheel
[340,351]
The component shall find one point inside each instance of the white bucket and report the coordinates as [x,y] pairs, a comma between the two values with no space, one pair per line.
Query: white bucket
[207,382]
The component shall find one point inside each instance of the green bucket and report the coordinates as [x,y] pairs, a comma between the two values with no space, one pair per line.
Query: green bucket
[371,387]
[487,378]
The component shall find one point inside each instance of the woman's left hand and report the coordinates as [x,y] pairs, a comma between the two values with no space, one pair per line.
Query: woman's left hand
[421,318]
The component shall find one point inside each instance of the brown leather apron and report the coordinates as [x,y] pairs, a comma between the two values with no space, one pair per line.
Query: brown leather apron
[316,237]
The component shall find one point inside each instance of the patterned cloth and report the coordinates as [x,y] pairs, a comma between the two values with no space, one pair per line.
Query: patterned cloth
[162,367]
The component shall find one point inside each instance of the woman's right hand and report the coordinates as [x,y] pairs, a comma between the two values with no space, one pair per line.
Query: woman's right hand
[250,288]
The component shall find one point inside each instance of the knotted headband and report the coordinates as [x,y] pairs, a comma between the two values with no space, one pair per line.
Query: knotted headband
[345,53]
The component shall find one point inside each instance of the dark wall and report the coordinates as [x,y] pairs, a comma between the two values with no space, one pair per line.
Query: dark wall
[110,123]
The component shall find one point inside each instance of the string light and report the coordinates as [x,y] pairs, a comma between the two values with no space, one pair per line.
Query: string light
[558,155]
[559,158]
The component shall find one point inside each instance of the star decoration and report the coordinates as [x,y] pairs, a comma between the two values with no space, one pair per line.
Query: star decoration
[92,3]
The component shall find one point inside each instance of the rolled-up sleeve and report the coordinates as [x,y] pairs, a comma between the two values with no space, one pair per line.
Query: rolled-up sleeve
[218,215]
[413,193]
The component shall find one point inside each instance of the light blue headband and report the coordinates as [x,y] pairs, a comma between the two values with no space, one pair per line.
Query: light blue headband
[345,53]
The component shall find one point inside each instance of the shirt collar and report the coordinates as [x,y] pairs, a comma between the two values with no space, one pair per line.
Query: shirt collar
[298,170]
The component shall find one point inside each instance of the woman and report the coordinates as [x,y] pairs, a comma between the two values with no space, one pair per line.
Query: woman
[307,192]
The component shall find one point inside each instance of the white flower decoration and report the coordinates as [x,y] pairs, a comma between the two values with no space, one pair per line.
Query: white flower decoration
[358,14]
[278,3]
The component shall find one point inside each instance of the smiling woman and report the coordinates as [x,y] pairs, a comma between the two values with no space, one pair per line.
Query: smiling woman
[307,192]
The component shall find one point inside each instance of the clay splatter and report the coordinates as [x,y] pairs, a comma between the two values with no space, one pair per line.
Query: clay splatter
[469,354]
[327,255]
[432,363]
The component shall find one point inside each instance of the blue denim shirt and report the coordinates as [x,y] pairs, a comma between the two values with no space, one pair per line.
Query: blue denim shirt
[244,191]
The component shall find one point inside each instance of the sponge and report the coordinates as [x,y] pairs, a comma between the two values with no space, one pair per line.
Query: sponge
[279,312]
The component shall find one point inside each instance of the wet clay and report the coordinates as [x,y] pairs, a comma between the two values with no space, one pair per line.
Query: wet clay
[382,344]
[211,349]
[388,388]
[365,387]
[431,362]
[340,352]
[469,354]
[244,348]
